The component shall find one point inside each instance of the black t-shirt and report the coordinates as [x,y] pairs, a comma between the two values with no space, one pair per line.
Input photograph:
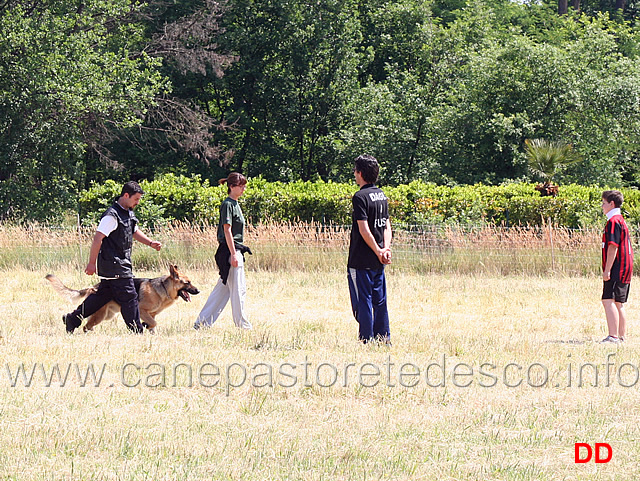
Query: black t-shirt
[369,204]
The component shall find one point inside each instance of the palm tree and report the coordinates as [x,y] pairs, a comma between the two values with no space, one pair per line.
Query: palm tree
[547,158]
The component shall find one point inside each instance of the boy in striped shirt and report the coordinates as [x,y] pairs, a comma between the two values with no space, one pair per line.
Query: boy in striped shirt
[617,266]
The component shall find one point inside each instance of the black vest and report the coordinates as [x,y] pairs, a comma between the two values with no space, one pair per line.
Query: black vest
[114,259]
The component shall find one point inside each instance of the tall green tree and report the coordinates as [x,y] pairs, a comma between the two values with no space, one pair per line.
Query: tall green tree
[178,131]
[627,9]
[297,63]
[413,61]
[66,69]
[576,85]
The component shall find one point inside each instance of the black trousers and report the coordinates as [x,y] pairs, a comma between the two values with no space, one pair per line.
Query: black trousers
[122,291]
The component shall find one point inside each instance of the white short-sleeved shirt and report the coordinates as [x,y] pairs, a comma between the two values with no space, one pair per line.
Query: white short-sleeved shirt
[108,224]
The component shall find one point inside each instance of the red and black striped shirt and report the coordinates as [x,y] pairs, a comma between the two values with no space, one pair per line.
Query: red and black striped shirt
[616,233]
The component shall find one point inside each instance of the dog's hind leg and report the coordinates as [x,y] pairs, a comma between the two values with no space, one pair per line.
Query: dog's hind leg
[96,318]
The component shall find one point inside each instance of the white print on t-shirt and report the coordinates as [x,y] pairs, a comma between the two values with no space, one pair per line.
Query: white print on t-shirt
[374,196]
[382,222]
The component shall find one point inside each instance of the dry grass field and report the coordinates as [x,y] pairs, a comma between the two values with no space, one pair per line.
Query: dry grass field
[494,374]
[498,395]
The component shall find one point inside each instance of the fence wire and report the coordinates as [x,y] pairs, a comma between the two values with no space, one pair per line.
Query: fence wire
[423,248]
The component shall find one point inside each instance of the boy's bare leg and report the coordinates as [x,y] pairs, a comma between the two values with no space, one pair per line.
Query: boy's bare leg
[613,316]
[622,320]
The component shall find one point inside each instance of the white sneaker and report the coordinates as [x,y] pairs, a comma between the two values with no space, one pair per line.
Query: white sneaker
[612,339]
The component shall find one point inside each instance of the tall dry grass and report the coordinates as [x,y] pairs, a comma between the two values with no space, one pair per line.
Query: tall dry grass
[455,249]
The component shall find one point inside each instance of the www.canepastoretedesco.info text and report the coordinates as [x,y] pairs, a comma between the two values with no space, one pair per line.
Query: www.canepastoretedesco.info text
[442,372]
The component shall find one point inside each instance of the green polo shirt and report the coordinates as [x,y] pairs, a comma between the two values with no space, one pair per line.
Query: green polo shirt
[230,213]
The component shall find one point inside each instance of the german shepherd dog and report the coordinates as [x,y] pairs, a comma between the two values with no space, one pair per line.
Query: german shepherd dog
[154,296]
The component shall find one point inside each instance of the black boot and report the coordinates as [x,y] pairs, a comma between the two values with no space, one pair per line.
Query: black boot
[71,322]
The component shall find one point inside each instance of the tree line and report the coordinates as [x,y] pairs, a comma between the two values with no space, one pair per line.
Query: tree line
[447,92]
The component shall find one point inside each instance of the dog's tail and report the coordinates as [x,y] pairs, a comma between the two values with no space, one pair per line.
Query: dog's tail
[73,295]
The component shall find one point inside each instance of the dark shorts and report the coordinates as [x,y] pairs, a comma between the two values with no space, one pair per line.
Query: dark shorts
[616,290]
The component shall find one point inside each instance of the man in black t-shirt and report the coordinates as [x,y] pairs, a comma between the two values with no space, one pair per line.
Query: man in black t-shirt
[369,252]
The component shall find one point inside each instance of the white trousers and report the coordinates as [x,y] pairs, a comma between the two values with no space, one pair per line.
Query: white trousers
[236,290]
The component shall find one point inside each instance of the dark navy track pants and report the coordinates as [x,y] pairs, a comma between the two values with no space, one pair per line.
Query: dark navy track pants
[368,290]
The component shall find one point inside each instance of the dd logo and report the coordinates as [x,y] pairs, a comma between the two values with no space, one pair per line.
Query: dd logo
[590,453]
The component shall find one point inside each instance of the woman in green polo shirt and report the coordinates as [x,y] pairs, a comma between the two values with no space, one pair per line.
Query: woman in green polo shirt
[230,260]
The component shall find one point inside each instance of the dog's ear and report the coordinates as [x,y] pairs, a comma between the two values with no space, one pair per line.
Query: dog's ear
[173,270]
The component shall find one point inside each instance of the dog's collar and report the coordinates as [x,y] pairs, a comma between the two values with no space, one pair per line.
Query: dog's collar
[165,288]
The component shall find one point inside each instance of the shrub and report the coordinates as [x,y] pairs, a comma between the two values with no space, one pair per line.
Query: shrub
[179,198]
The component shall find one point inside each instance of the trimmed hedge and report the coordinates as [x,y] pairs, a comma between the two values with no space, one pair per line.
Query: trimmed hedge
[171,197]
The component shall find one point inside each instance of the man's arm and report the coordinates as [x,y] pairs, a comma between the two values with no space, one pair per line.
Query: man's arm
[141,237]
[93,253]
[612,252]
[387,243]
[387,235]
[366,234]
